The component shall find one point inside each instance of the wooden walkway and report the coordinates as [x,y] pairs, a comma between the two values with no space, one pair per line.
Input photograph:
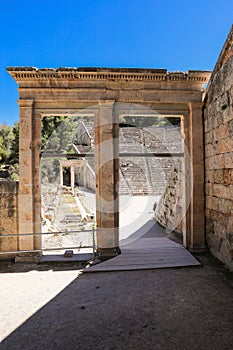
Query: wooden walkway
[150,251]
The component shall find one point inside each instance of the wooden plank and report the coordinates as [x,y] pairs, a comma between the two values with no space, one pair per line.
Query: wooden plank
[148,253]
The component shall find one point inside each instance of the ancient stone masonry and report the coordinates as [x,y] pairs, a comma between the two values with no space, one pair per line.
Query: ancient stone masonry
[9,215]
[170,211]
[142,175]
[106,94]
[218,119]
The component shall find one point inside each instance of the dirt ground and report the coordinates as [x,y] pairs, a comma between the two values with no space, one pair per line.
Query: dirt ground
[176,308]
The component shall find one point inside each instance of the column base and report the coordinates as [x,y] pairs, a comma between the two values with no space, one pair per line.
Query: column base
[27,257]
[107,253]
[198,250]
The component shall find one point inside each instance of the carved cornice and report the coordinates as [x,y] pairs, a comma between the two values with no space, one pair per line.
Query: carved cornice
[113,74]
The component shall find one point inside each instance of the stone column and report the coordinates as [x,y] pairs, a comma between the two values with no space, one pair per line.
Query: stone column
[36,149]
[197,242]
[84,167]
[187,178]
[72,176]
[107,177]
[26,200]
[61,174]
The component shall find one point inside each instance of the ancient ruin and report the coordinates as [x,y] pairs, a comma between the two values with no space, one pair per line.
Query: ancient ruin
[107,95]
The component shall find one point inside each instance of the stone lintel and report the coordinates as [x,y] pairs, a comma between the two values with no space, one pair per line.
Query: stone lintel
[72,108]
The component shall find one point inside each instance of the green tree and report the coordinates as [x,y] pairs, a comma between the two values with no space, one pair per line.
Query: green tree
[6,138]
[58,133]
[3,151]
[14,157]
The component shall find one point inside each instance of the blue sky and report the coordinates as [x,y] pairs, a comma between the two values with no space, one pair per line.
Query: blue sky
[176,35]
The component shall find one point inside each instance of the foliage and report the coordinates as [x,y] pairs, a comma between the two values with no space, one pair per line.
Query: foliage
[14,158]
[6,138]
[58,135]
[9,149]
[3,150]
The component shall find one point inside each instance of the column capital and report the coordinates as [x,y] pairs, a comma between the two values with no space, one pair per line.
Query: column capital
[25,103]
[195,105]
[106,103]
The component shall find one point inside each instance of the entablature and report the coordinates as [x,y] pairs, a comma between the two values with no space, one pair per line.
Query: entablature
[21,74]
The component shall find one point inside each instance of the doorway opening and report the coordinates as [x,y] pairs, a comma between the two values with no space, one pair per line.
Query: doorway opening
[66,176]
[151,174]
[67,185]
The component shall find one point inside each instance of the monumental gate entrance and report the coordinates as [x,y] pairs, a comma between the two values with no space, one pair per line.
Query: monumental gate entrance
[108,94]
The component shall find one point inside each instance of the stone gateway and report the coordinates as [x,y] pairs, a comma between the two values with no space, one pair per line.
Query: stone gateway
[64,91]
[107,94]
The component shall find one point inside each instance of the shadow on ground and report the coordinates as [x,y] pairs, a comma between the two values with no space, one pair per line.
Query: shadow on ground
[181,308]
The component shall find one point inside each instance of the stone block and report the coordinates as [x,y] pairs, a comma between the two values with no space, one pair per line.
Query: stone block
[215,162]
[230,224]
[209,202]
[220,161]
[226,252]
[219,190]
[214,243]
[228,160]
[225,206]
[228,116]
[215,203]
[220,226]
[209,189]
[222,132]
[230,128]
[218,177]
[224,101]
[218,120]
[208,164]
[210,150]
[229,237]
[224,146]
[9,214]
[209,176]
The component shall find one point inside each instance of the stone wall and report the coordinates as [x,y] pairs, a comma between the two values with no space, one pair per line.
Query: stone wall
[90,178]
[218,120]
[9,215]
[83,136]
[85,176]
[169,212]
